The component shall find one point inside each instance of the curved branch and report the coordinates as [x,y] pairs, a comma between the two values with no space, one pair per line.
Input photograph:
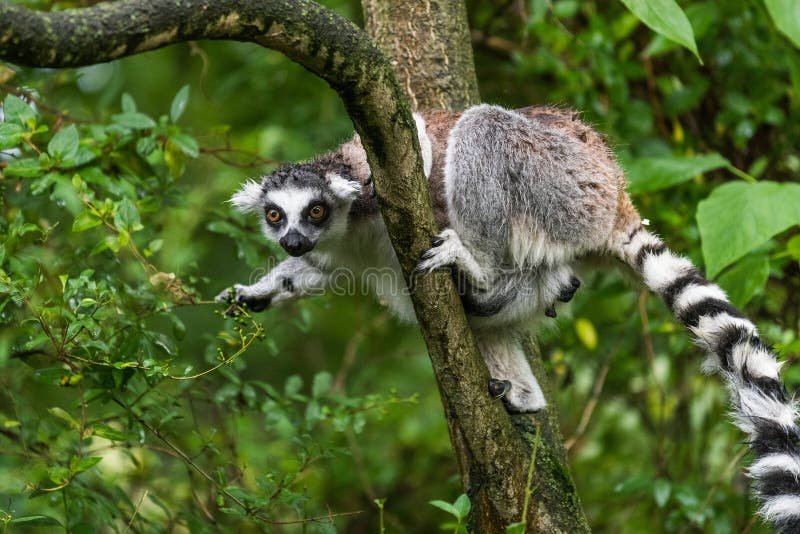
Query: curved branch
[336,50]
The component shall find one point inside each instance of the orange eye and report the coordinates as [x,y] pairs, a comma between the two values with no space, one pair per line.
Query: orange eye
[273,216]
[317,212]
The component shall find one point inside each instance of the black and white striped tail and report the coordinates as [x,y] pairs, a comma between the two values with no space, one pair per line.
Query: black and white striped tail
[761,406]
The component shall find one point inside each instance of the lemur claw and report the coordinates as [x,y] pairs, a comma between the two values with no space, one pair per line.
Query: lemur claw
[499,388]
[426,254]
[436,241]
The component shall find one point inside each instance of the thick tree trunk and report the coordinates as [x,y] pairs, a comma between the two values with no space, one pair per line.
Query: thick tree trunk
[429,47]
[336,50]
[430,51]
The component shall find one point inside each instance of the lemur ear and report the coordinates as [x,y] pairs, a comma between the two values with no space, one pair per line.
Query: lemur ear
[248,198]
[342,187]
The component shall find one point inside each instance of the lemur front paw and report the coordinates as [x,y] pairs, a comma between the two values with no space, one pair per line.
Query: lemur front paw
[447,250]
[238,296]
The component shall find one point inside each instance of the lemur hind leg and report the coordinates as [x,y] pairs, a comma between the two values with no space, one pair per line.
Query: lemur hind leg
[506,360]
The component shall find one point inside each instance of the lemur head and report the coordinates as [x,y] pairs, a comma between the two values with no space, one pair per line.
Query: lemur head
[302,204]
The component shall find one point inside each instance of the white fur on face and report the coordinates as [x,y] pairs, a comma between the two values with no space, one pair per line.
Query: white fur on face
[293,202]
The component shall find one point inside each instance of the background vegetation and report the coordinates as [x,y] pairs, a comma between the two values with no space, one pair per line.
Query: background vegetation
[129,402]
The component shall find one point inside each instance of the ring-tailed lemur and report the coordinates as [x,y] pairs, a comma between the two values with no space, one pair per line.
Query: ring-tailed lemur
[519,197]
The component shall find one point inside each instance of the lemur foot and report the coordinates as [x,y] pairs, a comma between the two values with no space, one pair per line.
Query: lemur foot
[565,295]
[237,295]
[567,292]
[521,399]
[447,250]
[516,398]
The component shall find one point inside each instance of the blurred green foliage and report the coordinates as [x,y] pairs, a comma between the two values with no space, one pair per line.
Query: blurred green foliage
[129,402]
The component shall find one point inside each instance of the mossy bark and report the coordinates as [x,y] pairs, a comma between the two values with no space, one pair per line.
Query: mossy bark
[336,50]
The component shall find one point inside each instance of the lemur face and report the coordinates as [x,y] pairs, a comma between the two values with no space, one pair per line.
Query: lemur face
[301,205]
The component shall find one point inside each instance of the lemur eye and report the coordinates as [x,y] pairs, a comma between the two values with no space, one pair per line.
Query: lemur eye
[317,212]
[273,216]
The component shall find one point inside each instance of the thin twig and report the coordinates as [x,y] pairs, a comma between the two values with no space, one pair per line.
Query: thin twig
[136,510]
[651,358]
[591,404]
[351,351]
[726,473]
[256,159]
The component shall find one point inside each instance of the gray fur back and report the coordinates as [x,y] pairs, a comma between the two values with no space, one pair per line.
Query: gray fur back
[508,175]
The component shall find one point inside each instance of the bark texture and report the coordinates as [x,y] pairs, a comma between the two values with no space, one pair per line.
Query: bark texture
[428,44]
[336,50]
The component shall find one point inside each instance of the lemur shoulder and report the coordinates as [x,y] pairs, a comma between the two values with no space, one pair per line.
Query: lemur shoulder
[520,196]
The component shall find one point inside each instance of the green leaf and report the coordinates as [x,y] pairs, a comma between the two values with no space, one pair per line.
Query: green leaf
[446,506]
[79,465]
[146,145]
[179,103]
[516,528]
[58,474]
[738,217]
[127,216]
[17,110]
[662,489]
[652,174]
[84,221]
[128,104]
[702,16]
[321,385]
[64,416]
[293,385]
[667,18]
[39,520]
[786,16]
[134,120]
[178,328]
[793,247]
[64,144]
[175,158]
[10,135]
[587,333]
[186,144]
[462,505]
[104,431]
[24,168]
[745,279]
